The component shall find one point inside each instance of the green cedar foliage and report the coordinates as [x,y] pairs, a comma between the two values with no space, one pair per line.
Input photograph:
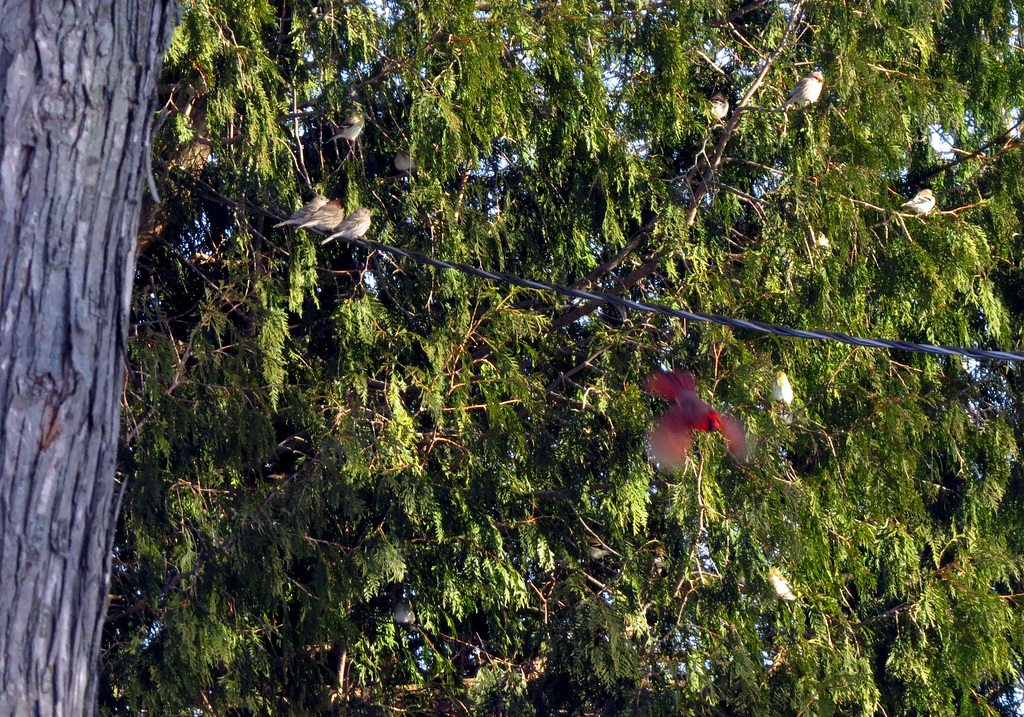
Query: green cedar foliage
[316,435]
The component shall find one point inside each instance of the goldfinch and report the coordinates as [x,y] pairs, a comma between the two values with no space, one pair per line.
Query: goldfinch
[719,106]
[782,587]
[783,389]
[351,128]
[922,203]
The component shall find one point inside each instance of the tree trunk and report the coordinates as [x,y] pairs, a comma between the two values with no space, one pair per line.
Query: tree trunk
[77,90]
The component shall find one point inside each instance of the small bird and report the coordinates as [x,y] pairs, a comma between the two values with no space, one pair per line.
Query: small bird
[351,128]
[922,203]
[404,163]
[719,106]
[354,226]
[783,389]
[782,587]
[597,549]
[325,218]
[806,90]
[404,613]
[822,240]
[671,437]
[304,212]
[659,561]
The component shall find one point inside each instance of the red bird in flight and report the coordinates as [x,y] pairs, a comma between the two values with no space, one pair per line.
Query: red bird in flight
[671,437]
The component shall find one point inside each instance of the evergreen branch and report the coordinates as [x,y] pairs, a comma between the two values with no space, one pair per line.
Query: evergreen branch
[706,180]
[1000,139]
[893,612]
[737,14]
[754,202]
[289,116]
[715,68]
[743,41]
[599,298]
[601,270]
[756,165]
[634,277]
[389,68]
[718,153]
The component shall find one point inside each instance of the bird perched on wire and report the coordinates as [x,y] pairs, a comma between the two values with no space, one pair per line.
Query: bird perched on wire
[671,436]
[354,226]
[719,106]
[304,212]
[922,203]
[806,90]
[325,218]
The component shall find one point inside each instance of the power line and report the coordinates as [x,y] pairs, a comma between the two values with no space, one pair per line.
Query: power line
[978,354]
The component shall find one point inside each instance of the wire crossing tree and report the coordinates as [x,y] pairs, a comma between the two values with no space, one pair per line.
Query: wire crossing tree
[77,84]
[357,484]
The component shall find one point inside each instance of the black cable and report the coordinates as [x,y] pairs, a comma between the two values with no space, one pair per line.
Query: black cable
[978,354]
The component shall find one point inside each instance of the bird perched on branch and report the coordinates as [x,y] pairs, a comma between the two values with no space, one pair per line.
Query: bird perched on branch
[671,436]
[783,389]
[782,587]
[922,203]
[404,613]
[304,212]
[404,163]
[806,90]
[351,128]
[719,106]
[598,549]
[354,227]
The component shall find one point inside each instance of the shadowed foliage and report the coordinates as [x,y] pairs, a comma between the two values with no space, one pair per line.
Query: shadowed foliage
[355,485]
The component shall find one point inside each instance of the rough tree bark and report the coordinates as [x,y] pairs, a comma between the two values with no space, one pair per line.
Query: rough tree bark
[77,87]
